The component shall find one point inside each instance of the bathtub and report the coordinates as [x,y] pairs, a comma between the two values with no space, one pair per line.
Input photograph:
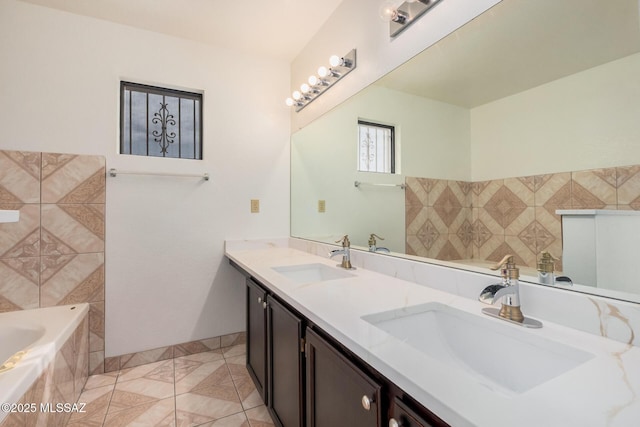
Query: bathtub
[45,354]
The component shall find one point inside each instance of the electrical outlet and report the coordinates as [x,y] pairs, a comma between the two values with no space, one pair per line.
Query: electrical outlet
[255,206]
[322,206]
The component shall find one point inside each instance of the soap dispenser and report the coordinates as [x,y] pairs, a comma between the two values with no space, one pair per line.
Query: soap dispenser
[546,266]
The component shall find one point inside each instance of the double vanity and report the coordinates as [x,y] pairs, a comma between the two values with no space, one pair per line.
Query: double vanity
[331,346]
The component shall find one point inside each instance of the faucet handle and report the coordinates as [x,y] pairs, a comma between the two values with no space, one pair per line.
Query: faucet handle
[372,239]
[546,263]
[507,267]
[345,241]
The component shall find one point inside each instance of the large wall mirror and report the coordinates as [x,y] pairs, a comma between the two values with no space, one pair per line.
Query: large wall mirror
[523,119]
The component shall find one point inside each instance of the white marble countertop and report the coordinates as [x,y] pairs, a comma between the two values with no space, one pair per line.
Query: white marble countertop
[604,391]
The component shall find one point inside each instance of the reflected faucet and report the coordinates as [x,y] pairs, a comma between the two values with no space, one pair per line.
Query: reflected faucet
[373,243]
[345,252]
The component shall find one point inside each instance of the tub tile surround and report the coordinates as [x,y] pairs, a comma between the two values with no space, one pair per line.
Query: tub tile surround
[210,388]
[485,220]
[55,254]
[62,381]
[578,398]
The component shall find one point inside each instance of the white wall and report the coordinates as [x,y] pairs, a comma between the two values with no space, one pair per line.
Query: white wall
[356,24]
[167,280]
[584,121]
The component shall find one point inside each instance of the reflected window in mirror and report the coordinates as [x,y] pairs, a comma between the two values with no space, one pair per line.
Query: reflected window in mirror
[376,147]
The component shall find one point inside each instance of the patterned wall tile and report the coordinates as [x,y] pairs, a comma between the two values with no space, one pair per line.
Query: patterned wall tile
[524,255]
[463,191]
[19,285]
[72,228]
[628,185]
[489,251]
[69,279]
[526,216]
[594,189]
[70,178]
[96,326]
[483,191]
[22,238]
[419,189]
[434,188]
[97,363]
[513,214]
[20,177]
[553,191]
[81,346]
[505,206]
[145,357]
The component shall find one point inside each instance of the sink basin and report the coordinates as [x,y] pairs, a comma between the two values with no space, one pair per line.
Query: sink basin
[501,356]
[310,273]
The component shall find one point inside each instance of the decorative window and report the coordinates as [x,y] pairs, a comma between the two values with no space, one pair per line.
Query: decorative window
[376,147]
[160,122]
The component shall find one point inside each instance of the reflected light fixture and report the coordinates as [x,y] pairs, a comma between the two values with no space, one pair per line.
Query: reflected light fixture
[340,66]
[400,17]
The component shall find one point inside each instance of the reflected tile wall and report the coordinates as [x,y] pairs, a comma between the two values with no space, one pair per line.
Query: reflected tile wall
[55,254]
[485,220]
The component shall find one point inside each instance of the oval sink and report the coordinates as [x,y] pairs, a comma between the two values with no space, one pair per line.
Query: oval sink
[500,355]
[310,273]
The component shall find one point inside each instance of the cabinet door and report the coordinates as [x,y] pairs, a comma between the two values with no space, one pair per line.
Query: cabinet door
[338,392]
[257,336]
[285,365]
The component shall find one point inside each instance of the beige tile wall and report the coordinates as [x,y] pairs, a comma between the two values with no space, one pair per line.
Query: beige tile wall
[55,254]
[455,220]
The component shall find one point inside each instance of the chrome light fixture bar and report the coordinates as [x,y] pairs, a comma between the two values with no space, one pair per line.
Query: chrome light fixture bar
[401,17]
[325,78]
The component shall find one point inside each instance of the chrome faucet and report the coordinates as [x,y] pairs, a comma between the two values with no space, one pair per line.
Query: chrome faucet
[509,294]
[345,252]
[373,244]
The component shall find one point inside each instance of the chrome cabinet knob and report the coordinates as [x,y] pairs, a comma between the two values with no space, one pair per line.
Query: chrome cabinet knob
[264,304]
[394,423]
[259,300]
[366,402]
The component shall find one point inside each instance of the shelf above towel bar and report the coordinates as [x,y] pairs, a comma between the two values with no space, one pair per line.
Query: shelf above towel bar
[357,184]
[114,172]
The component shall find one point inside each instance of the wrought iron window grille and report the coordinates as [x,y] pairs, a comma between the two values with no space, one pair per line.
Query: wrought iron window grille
[160,122]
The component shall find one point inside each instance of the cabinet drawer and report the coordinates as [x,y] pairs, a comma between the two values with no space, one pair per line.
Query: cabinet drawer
[403,416]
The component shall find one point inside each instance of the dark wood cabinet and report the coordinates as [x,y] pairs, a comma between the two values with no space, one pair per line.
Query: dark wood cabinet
[286,365]
[257,336]
[322,383]
[338,392]
[403,416]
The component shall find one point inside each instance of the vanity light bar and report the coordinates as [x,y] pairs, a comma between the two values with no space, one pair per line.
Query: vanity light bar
[327,77]
[407,13]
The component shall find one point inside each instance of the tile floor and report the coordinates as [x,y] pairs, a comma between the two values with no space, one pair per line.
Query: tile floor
[205,389]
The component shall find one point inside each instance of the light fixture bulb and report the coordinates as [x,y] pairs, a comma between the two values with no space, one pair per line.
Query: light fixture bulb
[304,88]
[335,60]
[323,72]
[313,80]
[289,102]
[388,11]
[296,95]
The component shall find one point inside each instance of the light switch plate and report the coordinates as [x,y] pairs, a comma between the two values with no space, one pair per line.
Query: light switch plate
[255,205]
[322,206]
